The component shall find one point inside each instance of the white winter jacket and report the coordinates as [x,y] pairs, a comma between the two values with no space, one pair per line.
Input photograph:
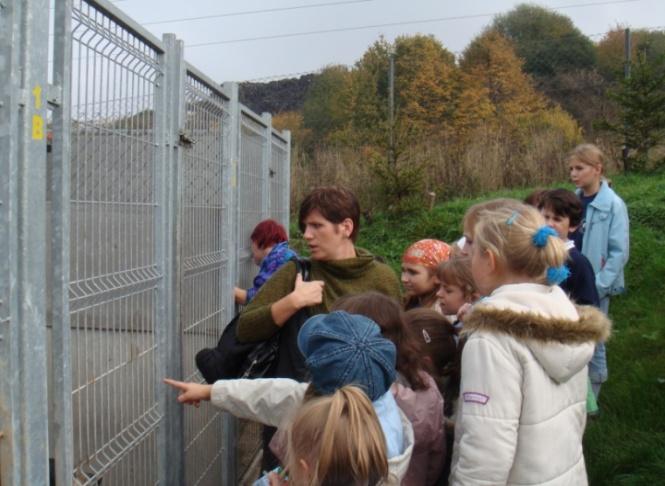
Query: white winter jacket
[522,406]
[273,401]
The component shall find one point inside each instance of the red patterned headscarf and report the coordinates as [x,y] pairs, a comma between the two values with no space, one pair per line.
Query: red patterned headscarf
[428,253]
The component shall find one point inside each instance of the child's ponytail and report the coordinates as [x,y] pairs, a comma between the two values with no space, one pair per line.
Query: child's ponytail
[341,440]
[520,240]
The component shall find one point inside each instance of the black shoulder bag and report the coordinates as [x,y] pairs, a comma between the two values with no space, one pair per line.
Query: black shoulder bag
[233,359]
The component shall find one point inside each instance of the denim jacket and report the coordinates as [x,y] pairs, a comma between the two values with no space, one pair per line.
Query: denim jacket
[606,240]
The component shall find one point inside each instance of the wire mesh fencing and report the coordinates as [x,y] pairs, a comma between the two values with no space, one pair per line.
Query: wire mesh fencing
[156,176]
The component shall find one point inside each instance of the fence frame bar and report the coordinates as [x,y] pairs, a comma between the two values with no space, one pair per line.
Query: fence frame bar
[171,99]
[59,273]
[266,165]
[125,21]
[24,30]
[230,182]
[286,197]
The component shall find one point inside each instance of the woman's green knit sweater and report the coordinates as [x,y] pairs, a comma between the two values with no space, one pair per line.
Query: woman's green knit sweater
[342,277]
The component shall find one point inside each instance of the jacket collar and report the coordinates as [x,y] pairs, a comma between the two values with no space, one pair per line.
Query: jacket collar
[592,324]
[603,200]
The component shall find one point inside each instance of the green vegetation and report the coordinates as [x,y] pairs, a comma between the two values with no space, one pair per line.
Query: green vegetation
[624,446]
[641,101]
[504,113]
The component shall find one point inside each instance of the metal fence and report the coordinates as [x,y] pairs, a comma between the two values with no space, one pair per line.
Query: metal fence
[120,247]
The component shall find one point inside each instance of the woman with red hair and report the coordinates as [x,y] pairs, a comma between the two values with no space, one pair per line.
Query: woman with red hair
[270,250]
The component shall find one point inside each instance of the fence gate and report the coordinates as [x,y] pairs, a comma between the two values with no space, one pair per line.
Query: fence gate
[131,182]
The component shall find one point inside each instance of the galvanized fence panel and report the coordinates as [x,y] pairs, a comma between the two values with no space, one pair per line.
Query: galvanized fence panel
[279,175]
[251,210]
[115,275]
[251,190]
[205,258]
[156,178]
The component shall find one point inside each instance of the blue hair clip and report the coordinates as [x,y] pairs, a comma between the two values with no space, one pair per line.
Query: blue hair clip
[540,236]
[512,218]
[556,275]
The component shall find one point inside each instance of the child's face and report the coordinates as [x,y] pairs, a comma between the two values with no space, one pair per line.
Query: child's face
[451,298]
[559,223]
[417,279]
[584,176]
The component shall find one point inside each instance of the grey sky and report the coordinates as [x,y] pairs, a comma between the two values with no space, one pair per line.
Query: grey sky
[250,60]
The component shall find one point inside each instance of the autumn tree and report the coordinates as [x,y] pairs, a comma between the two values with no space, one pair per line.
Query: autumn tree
[426,83]
[499,101]
[494,85]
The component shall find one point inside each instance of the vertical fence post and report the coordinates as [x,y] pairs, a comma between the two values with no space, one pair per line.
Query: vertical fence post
[266,166]
[286,197]
[230,197]
[23,125]
[169,114]
[58,272]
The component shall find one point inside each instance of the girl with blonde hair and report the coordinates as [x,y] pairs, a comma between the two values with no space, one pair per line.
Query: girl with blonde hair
[603,236]
[471,218]
[522,404]
[335,439]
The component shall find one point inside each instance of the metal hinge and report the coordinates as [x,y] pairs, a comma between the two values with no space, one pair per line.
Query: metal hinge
[185,139]
[54,95]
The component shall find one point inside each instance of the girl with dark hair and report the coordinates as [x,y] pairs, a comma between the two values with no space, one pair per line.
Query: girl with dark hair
[439,343]
[419,264]
[415,390]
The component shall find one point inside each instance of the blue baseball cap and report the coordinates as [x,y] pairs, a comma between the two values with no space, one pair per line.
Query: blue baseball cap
[347,349]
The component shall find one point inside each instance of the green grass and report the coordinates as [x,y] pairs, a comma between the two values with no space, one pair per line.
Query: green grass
[626,444]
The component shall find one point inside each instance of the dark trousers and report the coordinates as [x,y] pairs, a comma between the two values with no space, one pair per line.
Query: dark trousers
[269,460]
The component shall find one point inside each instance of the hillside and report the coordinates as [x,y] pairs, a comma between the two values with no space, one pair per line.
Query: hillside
[276,96]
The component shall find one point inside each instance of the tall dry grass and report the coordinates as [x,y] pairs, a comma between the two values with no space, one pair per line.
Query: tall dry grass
[491,159]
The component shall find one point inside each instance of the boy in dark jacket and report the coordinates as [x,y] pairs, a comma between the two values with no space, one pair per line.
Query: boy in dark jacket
[562,211]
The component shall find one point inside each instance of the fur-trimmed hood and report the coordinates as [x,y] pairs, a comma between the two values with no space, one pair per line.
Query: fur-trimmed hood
[560,335]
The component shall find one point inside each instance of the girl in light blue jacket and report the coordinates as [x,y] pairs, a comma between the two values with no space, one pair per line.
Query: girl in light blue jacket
[604,238]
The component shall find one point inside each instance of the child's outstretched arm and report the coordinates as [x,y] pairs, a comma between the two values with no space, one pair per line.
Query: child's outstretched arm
[190,393]
[265,400]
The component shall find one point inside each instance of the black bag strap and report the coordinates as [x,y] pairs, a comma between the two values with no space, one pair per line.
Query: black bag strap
[303,267]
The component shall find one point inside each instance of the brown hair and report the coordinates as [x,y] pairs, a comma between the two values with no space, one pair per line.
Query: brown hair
[437,338]
[589,154]
[563,202]
[340,438]
[457,271]
[509,233]
[335,204]
[386,312]
[534,198]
